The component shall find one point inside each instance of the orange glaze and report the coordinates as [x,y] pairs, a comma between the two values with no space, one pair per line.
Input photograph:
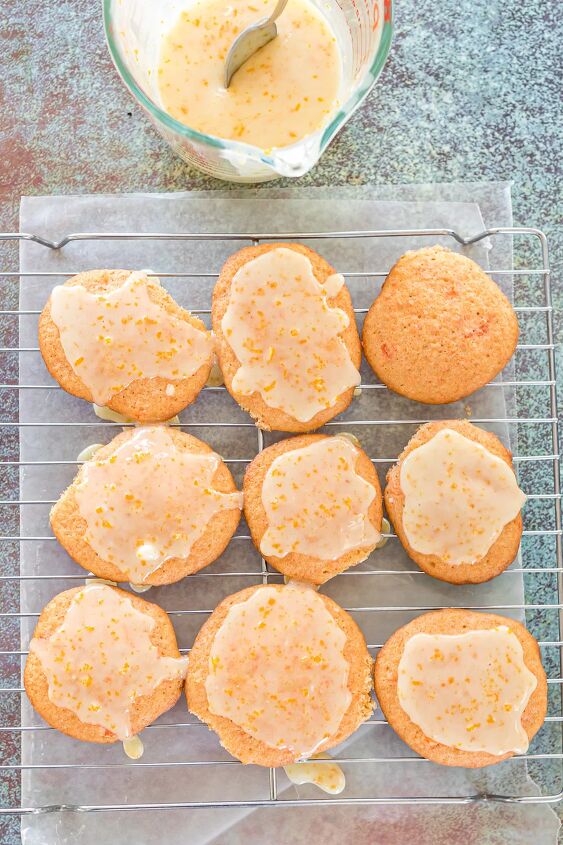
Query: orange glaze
[110,339]
[277,669]
[327,776]
[467,691]
[286,336]
[458,498]
[316,503]
[101,659]
[284,92]
[149,501]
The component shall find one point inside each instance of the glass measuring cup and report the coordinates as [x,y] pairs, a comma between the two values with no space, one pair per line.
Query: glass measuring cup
[134,31]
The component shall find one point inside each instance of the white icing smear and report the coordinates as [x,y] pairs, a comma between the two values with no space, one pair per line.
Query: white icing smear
[327,776]
[277,669]
[89,452]
[101,659]
[215,378]
[100,581]
[302,584]
[468,691]
[458,498]
[149,501]
[316,504]
[385,529]
[286,336]
[140,588]
[133,747]
[108,415]
[112,338]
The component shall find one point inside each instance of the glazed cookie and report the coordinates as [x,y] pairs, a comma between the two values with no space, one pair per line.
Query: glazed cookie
[313,505]
[279,673]
[286,336]
[440,328]
[103,664]
[151,507]
[462,688]
[455,503]
[118,339]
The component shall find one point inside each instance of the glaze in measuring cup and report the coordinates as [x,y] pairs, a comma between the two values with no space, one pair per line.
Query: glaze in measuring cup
[134,30]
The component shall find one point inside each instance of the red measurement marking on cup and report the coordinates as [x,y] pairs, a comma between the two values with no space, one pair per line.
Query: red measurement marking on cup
[366,38]
[344,9]
[359,58]
[376,15]
[387,11]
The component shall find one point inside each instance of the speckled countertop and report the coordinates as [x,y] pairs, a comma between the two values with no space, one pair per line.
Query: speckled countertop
[471,92]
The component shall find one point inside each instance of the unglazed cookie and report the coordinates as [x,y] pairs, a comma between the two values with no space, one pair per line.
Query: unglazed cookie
[456,505]
[280,673]
[151,507]
[313,505]
[473,679]
[103,664]
[440,328]
[286,336]
[118,339]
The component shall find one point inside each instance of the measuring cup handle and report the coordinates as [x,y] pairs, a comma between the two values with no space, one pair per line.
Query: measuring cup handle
[280,6]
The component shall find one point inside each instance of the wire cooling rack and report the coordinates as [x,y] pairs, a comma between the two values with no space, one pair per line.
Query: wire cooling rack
[540,563]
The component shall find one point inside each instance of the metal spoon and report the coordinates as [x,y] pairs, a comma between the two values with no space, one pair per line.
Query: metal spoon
[251,40]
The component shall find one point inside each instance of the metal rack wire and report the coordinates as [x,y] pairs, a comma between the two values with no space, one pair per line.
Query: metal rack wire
[539,466]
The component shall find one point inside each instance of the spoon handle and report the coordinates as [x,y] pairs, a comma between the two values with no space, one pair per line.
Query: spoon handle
[280,6]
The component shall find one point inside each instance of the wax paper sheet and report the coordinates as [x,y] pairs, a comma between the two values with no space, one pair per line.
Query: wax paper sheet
[467,209]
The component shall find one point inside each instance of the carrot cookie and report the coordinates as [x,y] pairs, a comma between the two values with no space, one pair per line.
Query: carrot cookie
[455,503]
[313,505]
[152,506]
[440,328]
[280,673]
[118,339]
[103,664]
[287,339]
[462,688]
